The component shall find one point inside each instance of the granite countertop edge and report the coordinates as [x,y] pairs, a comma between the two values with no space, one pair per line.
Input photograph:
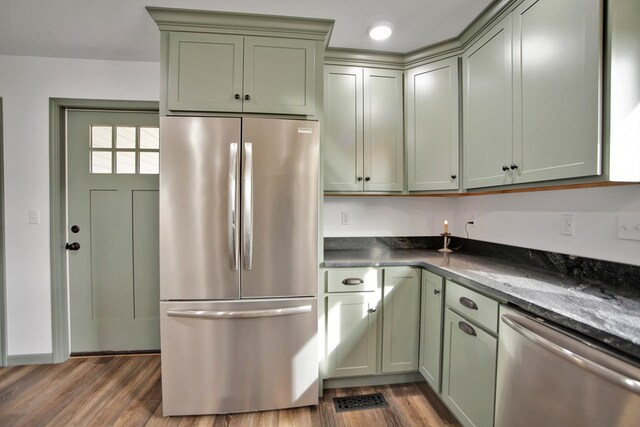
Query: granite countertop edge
[468,269]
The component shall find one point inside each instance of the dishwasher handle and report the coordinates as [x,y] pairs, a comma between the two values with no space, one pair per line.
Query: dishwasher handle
[515,322]
[240,314]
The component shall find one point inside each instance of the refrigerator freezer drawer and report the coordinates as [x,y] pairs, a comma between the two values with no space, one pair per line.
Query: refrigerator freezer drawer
[238,356]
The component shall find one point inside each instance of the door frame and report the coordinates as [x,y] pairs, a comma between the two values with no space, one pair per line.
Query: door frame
[58,108]
[3,298]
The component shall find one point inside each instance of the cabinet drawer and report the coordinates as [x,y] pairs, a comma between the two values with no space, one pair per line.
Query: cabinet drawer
[352,280]
[472,305]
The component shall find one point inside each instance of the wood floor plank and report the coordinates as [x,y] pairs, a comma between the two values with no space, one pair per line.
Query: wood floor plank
[127,391]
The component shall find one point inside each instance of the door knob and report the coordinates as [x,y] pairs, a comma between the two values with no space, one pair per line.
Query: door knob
[367,178]
[247,97]
[372,310]
[359,178]
[453,176]
[72,246]
[514,166]
[236,96]
[505,168]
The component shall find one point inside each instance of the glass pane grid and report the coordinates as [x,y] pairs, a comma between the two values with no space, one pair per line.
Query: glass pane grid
[136,150]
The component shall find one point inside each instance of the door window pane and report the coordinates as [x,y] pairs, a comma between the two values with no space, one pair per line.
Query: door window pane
[126,162]
[101,162]
[149,138]
[149,163]
[126,137]
[101,136]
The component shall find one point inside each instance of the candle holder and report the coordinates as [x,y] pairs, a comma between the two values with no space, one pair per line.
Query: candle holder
[445,249]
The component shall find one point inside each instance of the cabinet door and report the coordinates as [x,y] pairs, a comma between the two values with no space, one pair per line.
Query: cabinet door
[556,62]
[383,130]
[432,126]
[487,109]
[431,328]
[468,371]
[351,334]
[401,319]
[343,141]
[205,72]
[279,76]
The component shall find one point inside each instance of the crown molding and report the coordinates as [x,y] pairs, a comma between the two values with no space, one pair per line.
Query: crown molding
[172,19]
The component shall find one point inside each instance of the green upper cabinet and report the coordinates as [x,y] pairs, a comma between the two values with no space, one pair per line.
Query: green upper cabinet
[556,84]
[487,111]
[229,73]
[205,72]
[363,130]
[531,95]
[401,319]
[432,126]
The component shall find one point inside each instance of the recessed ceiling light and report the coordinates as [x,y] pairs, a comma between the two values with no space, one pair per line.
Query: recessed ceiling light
[380,30]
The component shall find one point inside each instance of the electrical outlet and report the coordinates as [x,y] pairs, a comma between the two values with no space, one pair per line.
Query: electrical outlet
[345,218]
[567,226]
[473,217]
[629,227]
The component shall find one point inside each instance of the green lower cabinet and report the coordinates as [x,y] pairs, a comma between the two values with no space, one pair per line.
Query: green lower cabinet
[352,334]
[431,328]
[401,319]
[469,371]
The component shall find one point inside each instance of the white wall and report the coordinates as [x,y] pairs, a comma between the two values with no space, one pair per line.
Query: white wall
[386,216]
[529,220]
[533,220]
[26,84]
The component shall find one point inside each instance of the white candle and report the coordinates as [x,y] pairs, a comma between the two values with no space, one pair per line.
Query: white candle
[446,226]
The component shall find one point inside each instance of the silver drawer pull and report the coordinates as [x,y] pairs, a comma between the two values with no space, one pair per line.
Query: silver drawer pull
[468,303]
[352,282]
[467,328]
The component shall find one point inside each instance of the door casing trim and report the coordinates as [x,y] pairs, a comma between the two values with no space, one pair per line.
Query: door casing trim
[3,259]
[58,207]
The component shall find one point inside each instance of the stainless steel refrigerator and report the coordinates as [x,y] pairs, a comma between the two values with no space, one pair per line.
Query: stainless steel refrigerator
[238,264]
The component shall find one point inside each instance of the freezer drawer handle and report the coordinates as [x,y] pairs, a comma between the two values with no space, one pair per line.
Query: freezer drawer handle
[243,314]
[468,303]
[467,328]
[631,384]
[352,281]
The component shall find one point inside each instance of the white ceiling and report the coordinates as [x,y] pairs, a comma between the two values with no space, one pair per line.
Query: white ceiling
[123,30]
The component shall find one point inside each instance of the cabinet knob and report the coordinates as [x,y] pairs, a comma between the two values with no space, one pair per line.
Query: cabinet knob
[514,166]
[454,176]
[236,96]
[247,97]
[367,178]
[359,178]
[372,310]
[436,292]
[505,168]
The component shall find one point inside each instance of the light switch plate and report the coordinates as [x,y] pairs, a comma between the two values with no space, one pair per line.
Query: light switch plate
[629,227]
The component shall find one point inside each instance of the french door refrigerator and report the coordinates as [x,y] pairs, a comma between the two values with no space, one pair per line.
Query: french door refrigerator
[238,264]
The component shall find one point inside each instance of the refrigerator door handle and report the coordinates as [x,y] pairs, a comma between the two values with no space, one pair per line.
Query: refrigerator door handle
[233,212]
[247,205]
[243,314]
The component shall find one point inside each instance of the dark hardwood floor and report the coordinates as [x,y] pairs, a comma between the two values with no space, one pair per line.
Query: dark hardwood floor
[126,391]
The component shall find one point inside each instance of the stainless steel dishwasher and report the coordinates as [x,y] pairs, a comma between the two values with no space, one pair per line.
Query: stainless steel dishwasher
[548,377]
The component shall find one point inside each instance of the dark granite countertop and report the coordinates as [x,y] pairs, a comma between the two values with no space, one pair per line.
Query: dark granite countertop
[612,318]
